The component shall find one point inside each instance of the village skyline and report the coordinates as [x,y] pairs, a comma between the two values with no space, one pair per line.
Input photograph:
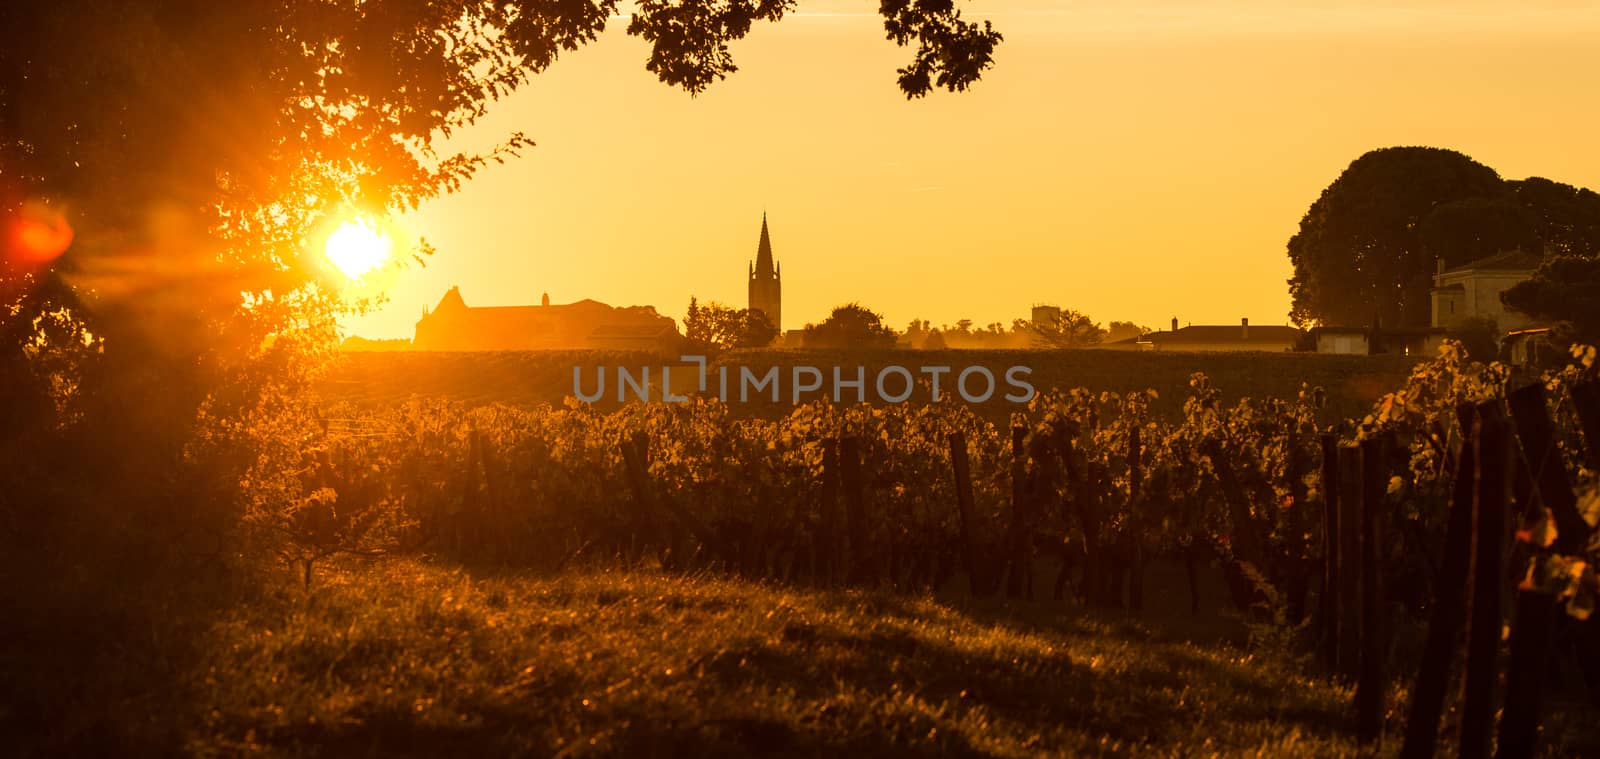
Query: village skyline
[1134,163]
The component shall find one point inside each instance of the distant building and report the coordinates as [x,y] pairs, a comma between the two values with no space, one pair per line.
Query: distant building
[1045,316]
[1472,290]
[766,281]
[1364,341]
[586,324]
[1529,348]
[1239,337]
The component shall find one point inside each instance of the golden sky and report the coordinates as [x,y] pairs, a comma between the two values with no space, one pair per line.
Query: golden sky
[1134,160]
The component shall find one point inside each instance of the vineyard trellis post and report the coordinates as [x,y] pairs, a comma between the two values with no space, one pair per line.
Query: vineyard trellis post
[962,469]
[1136,524]
[1449,610]
[1537,436]
[855,495]
[1330,601]
[1586,402]
[1483,605]
[1299,568]
[830,554]
[1374,642]
[1531,632]
[646,524]
[1019,578]
[1350,506]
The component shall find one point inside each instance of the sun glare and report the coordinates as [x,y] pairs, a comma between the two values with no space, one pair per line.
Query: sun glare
[357,247]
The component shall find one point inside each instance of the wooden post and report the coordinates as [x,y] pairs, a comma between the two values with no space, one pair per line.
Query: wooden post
[1350,507]
[1374,643]
[1586,400]
[1297,567]
[635,455]
[645,523]
[1530,661]
[1449,607]
[1483,609]
[963,473]
[1135,506]
[855,496]
[1538,438]
[831,552]
[466,522]
[1330,600]
[1020,574]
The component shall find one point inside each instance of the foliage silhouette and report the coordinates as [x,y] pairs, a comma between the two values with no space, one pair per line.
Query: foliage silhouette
[850,326]
[1368,246]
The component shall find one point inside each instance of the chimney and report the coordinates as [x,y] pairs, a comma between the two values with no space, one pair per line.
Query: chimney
[1174,324]
[1244,329]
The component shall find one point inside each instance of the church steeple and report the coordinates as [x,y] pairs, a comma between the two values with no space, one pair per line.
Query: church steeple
[766,289]
[764,264]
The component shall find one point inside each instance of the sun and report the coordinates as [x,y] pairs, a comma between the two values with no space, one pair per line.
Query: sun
[357,247]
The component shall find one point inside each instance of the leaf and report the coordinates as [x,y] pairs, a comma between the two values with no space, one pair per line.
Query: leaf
[1541,533]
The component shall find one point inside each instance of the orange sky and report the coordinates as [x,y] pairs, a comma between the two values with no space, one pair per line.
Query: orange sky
[1134,160]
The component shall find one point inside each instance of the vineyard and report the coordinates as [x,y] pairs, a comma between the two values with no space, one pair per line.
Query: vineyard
[1323,530]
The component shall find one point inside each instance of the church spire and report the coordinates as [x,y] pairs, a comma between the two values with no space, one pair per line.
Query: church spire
[764,265]
[766,291]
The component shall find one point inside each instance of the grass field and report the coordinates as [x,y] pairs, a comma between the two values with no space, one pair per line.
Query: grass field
[1352,383]
[410,658]
[407,659]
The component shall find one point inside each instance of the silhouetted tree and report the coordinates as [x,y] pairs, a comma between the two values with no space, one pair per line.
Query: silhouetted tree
[1368,246]
[933,342]
[714,327]
[1480,338]
[1565,219]
[1123,330]
[1072,329]
[1359,255]
[1466,230]
[850,326]
[1565,289]
[917,332]
[240,127]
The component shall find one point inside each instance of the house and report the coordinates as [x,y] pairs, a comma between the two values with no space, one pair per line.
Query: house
[586,324]
[1415,341]
[1472,290]
[1240,337]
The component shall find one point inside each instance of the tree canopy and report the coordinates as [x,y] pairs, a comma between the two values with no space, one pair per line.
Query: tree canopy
[195,149]
[1366,249]
[1565,289]
[850,326]
[714,327]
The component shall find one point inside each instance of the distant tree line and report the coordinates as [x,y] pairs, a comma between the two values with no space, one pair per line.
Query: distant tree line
[853,325]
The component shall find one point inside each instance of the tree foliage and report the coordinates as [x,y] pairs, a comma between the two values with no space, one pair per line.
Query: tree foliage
[1124,330]
[1564,289]
[218,136]
[1358,255]
[850,326]
[1368,246]
[714,327]
[1069,329]
[169,168]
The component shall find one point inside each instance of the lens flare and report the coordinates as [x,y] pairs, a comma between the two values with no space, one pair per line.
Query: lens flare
[357,247]
[36,235]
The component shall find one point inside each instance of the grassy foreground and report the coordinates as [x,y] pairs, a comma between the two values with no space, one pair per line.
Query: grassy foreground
[409,659]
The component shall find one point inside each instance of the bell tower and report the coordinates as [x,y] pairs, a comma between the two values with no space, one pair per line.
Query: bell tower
[766,281]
